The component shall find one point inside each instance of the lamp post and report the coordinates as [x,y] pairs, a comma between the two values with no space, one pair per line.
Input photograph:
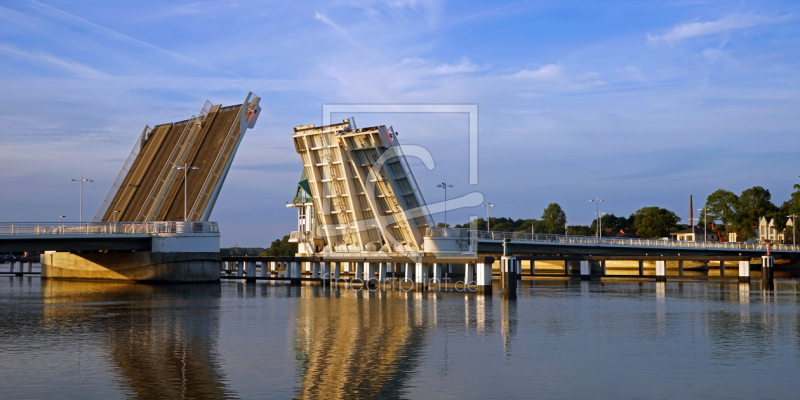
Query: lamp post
[81,203]
[488,206]
[186,169]
[597,200]
[566,229]
[115,215]
[444,186]
[794,230]
[705,224]
[600,223]
[61,223]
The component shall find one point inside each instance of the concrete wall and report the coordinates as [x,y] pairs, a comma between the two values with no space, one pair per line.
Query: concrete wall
[136,266]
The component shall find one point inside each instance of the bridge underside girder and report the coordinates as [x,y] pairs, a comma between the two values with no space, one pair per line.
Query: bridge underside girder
[75,244]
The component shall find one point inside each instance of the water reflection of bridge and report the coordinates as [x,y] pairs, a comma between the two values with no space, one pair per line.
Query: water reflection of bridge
[160,350]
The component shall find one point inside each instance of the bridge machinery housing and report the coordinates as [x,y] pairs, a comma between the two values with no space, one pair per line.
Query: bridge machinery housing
[150,200]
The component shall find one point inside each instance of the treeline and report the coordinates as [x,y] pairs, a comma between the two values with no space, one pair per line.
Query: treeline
[278,248]
[649,222]
[734,213]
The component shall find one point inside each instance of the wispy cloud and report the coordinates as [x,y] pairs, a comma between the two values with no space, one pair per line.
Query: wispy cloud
[487,12]
[726,24]
[552,73]
[325,20]
[109,33]
[67,65]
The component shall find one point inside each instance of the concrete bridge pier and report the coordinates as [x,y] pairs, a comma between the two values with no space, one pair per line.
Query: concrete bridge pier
[421,276]
[315,270]
[382,271]
[766,269]
[508,276]
[437,273]
[263,272]
[239,269]
[744,271]
[409,272]
[566,267]
[469,268]
[250,270]
[325,270]
[359,270]
[369,272]
[721,267]
[661,271]
[680,267]
[30,267]
[337,270]
[641,267]
[586,270]
[484,279]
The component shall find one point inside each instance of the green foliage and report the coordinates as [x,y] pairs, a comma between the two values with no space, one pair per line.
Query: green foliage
[280,248]
[655,222]
[241,251]
[722,206]
[442,225]
[615,223]
[753,204]
[581,230]
[553,219]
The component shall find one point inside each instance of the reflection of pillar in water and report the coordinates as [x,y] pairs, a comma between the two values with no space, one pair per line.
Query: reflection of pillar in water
[744,302]
[508,328]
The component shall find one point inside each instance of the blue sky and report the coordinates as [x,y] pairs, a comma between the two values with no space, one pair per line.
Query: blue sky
[639,103]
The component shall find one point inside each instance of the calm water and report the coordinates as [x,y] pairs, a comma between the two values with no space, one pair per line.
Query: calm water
[560,339]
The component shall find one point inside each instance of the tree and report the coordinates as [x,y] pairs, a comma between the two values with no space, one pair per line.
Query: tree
[655,222]
[281,248]
[553,219]
[721,206]
[754,203]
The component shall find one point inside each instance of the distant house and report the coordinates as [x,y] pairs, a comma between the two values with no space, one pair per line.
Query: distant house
[626,233]
[694,234]
[767,231]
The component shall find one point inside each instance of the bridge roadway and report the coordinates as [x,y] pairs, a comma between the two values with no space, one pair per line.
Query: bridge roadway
[545,244]
[95,236]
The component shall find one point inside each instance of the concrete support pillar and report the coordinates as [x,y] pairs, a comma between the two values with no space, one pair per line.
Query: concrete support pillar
[421,273]
[272,266]
[449,268]
[240,268]
[337,270]
[484,280]
[533,267]
[641,267]
[469,270]
[359,270]
[11,265]
[409,272]
[661,271]
[680,267]
[603,266]
[294,267]
[250,269]
[566,267]
[315,270]
[264,269]
[586,270]
[508,275]
[721,267]
[325,270]
[437,273]
[766,269]
[347,267]
[382,272]
[30,266]
[744,271]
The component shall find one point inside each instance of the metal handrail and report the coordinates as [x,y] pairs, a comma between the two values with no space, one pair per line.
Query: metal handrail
[105,228]
[603,241]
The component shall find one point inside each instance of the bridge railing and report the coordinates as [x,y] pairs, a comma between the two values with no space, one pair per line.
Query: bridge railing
[604,241]
[105,228]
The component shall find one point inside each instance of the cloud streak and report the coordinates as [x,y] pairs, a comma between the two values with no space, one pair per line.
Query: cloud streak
[109,33]
[67,65]
[726,24]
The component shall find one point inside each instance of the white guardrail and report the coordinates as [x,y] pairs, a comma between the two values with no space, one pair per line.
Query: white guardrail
[105,228]
[605,241]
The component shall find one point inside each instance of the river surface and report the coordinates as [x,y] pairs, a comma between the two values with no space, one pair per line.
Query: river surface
[558,340]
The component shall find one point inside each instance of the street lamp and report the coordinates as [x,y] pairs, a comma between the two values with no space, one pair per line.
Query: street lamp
[81,204]
[705,224]
[186,169]
[488,206]
[115,215]
[794,230]
[598,201]
[600,223]
[444,186]
[566,229]
[61,223]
